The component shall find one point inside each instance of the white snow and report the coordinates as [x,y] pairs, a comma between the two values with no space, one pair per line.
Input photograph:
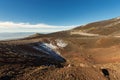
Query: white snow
[45,47]
[61,43]
[56,45]
[48,49]
[50,45]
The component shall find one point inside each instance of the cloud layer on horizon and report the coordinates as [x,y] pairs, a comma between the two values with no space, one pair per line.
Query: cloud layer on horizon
[27,27]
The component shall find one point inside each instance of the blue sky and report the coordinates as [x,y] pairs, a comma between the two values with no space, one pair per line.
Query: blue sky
[53,15]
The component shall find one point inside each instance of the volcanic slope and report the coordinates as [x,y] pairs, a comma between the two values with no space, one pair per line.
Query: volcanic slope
[88,52]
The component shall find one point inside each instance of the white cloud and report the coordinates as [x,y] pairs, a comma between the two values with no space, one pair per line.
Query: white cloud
[27,27]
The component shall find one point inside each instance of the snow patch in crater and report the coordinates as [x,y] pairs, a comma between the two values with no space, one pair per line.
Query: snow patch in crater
[53,46]
[49,49]
[61,43]
[50,45]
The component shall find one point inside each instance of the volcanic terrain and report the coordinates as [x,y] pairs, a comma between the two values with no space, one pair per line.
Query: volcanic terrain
[87,52]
